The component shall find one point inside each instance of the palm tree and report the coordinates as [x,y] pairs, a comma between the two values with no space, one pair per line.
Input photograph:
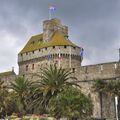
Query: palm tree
[100,86]
[113,88]
[21,87]
[70,103]
[52,81]
[110,88]
[3,95]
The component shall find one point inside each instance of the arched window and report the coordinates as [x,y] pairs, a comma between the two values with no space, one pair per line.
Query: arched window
[26,67]
[33,66]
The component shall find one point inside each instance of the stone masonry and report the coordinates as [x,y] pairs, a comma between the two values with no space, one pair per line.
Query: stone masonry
[54,47]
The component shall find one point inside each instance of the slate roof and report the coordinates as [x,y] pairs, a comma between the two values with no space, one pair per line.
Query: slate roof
[36,42]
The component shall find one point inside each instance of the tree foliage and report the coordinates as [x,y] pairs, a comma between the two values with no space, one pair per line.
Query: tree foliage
[21,87]
[71,103]
[111,88]
[52,81]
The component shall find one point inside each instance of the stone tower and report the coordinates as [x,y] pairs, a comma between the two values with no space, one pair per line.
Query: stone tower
[54,47]
[50,26]
[50,47]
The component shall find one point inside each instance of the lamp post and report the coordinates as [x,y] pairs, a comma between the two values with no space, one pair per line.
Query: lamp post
[116,107]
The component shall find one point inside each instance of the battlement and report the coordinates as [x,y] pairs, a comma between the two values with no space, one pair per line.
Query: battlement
[44,52]
[97,71]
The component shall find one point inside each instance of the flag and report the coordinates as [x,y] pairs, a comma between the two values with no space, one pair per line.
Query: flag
[49,56]
[81,52]
[52,8]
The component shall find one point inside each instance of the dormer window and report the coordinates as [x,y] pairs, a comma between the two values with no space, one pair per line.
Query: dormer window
[40,40]
[66,36]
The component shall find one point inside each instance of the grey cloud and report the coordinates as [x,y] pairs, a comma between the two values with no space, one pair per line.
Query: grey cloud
[93,24]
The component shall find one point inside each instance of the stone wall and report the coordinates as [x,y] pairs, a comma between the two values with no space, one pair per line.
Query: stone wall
[98,71]
[86,76]
[47,56]
[63,62]
[8,79]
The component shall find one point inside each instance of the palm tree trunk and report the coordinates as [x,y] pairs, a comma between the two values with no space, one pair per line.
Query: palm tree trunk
[23,104]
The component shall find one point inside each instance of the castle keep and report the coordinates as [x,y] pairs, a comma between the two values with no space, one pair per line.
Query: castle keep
[51,47]
[54,47]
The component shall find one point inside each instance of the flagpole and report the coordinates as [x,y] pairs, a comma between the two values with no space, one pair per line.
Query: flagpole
[51,9]
[116,107]
[70,58]
[50,14]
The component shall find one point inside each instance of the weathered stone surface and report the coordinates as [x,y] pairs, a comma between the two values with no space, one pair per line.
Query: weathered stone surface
[69,57]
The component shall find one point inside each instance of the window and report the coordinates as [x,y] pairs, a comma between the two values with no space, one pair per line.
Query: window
[39,50]
[33,66]
[73,69]
[53,47]
[74,47]
[66,36]
[21,54]
[26,67]
[40,40]
[26,53]
[33,52]
[65,46]
[45,48]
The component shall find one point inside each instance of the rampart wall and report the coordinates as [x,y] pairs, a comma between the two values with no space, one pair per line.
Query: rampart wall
[98,71]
